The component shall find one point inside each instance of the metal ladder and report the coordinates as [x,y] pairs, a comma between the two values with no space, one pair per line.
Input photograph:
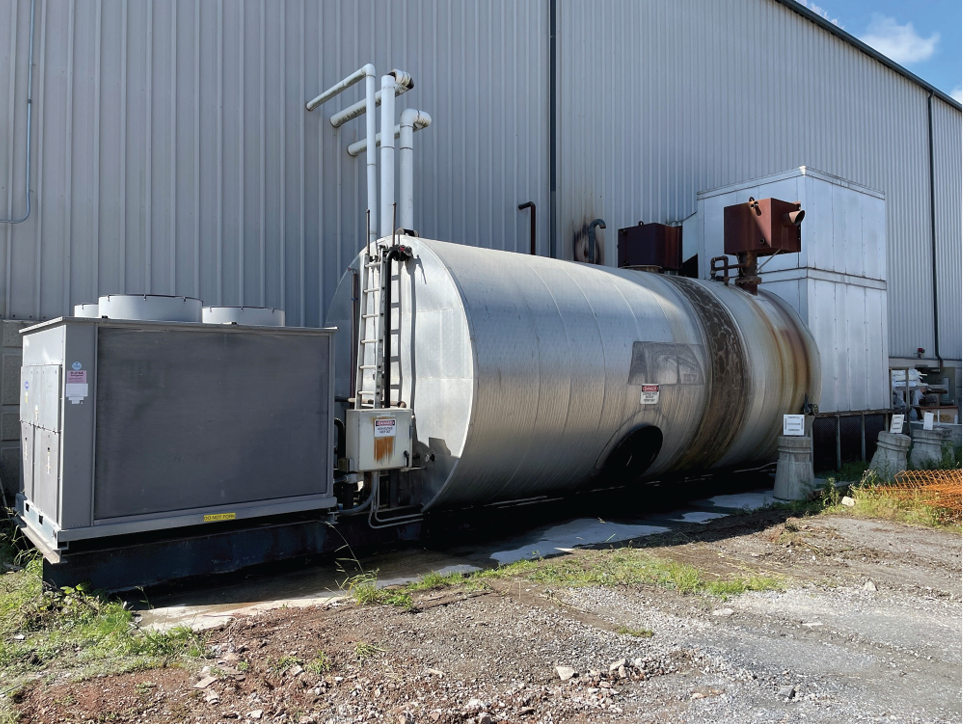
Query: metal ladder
[370,376]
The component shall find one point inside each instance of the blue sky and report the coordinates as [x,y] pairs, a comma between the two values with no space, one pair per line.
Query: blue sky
[923,36]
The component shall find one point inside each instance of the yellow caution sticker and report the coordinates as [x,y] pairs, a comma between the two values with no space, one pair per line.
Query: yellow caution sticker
[214,517]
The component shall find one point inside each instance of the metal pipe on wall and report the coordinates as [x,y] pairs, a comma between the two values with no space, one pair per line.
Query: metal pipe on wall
[411,120]
[359,146]
[533,227]
[29,120]
[936,301]
[405,84]
[387,153]
[368,74]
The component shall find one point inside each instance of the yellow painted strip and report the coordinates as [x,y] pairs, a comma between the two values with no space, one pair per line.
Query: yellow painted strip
[214,517]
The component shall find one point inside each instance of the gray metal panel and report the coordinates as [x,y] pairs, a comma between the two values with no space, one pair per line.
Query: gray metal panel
[687,97]
[46,470]
[188,420]
[188,165]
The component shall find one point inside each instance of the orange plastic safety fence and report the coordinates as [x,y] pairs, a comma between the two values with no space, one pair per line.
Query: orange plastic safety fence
[937,488]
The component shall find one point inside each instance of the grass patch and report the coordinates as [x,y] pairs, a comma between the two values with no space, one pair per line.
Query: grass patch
[436,580]
[639,633]
[363,588]
[73,630]
[616,567]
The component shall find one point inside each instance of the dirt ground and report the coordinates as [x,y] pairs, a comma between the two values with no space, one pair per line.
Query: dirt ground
[867,628]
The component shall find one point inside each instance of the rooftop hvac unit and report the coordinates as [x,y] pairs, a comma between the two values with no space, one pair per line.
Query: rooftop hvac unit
[129,426]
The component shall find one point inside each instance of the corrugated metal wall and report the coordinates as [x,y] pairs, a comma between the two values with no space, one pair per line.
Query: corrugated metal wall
[660,100]
[173,154]
[949,217]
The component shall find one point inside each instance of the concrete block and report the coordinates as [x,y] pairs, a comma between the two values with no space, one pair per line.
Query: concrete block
[10,470]
[795,479]
[890,456]
[928,447]
[10,378]
[11,333]
[10,426]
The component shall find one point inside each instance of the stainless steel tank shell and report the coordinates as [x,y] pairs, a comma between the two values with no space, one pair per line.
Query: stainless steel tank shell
[150,308]
[526,373]
[245,316]
[89,311]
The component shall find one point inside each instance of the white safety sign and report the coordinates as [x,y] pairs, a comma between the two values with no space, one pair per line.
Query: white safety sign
[794,425]
[650,395]
[385,427]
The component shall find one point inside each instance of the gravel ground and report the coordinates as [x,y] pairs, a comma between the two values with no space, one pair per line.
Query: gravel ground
[868,629]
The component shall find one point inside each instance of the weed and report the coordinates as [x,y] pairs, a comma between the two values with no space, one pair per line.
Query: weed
[284,663]
[365,650]
[639,633]
[363,588]
[243,666]
[436,580]
[320,664]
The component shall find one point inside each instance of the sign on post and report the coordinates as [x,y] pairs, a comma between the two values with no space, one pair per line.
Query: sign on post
[896,426]
[794,425]
[928,420]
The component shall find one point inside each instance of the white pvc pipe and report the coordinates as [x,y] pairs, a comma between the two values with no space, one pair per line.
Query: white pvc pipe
[371,159]
[360,146]
[338,87]
[404,85]
[387,152]
[411,120]
[368,74]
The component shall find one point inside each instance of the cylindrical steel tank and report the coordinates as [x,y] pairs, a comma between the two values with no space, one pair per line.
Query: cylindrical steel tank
[531,376]
[150,307]
[247,316]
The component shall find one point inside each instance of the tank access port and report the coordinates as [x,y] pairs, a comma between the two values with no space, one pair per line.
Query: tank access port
[378,439]
[634,455]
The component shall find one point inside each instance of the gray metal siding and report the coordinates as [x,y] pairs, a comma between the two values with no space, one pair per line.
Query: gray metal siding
[949,197]
[173,155]
[661,100]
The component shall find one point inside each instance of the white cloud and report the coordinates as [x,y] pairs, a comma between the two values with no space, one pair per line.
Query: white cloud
[900,42]
[819,11]
[957,94]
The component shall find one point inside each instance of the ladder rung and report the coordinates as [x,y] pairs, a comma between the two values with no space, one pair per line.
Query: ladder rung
[368,367]
[369,316]
[369,341]
[373,289]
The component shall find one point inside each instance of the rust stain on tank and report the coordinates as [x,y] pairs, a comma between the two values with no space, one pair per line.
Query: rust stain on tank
[728,380]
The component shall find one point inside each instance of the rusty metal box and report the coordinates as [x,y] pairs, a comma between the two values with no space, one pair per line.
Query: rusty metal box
[651,245]
[765,226]
[378,439]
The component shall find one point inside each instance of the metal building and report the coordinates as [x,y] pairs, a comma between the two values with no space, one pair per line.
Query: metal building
[170,151]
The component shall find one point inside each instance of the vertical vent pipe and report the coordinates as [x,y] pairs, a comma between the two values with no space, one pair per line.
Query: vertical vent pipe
[411,120]
[387,152]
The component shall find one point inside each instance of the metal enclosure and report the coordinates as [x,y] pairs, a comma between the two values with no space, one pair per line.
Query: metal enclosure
[838,282]
[525,374]
[651,245]
[132,426]
[378,439]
